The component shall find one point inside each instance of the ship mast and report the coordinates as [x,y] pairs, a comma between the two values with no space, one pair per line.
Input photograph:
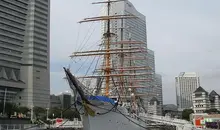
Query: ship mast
[107,36]
[126,47]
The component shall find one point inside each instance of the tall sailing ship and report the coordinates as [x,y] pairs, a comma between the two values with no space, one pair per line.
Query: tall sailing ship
[121,76]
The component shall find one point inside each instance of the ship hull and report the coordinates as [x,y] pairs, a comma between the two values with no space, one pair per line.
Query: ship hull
[109,118]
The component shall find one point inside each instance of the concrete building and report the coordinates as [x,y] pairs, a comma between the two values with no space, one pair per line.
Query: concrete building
[172,111]
[55,101]
[24,51]
[36,55]
[63,101]
[201,101]
[186,83]
[214,100]
[12,32]
[154,107]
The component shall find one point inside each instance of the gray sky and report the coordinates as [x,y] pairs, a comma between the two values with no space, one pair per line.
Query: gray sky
[183,33]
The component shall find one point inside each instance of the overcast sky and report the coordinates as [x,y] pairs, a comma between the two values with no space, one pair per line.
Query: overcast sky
[185,35]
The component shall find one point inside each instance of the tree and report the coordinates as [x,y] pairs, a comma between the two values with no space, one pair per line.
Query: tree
[10,108]
[55,113]
[186,114]
[70,114]
[23,110]
[38,111]
[212,111]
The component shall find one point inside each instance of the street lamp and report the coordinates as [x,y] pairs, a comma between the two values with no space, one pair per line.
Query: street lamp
[47,112]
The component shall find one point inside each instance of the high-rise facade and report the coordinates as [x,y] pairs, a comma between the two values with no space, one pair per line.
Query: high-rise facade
[155,90]
[159,88]
[12,32]
[130,29]
[151,63]
[186,83]
[151,60]
[24,51]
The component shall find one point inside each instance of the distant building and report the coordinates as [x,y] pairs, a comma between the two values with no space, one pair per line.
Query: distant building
[159,89]
[214,100]
[63,101]
[186,83]
[55,101]
[133,30]
[151,89]
[172,111]
[203,101]
[154,107]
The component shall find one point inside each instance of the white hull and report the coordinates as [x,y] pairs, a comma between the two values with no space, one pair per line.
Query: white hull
[111,120]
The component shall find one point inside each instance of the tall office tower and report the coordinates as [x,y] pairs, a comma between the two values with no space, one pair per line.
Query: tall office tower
[151,60]
[129,29]
[186,83]
[36,55]
[155,90]
[13,15]
[151,63]
[159,90]
[24,52]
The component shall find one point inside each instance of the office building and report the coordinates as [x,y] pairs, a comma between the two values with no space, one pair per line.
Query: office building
[154,107]
[65,99]
[159,89]
[24,51]
[151,60]
[151,81]
[202,100]
[55,102]
[186,83]
[214,100]
[130,29]
[62,101]
[12,31]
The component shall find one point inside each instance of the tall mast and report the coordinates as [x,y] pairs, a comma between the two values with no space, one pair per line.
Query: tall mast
[125,52]
[107,56]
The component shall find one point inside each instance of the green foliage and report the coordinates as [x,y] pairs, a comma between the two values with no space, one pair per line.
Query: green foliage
[68,114]
[54,113]
[186,114]
[38,111]
[23,110]
[212,111]
[10,108]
